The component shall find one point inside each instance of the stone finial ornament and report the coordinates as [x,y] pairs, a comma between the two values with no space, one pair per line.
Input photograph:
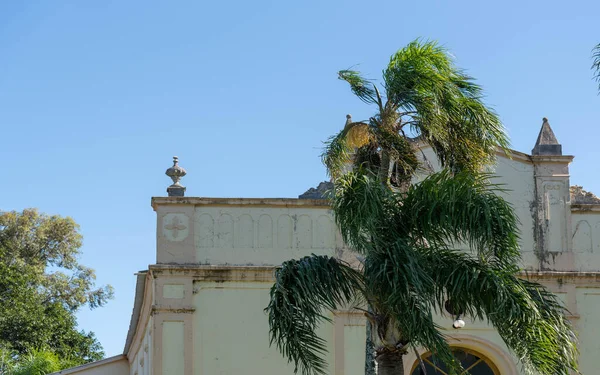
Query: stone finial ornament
[176,173]
[546,143]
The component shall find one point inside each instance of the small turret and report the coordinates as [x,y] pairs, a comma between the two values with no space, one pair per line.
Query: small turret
[546,143]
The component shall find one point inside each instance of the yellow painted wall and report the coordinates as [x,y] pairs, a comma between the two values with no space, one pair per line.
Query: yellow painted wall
[261,235]
[231,331]
[588,304]
[173,342]
[142,358]
[586,240]
[353,351]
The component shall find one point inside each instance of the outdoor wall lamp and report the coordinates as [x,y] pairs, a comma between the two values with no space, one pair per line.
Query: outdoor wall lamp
[458,322]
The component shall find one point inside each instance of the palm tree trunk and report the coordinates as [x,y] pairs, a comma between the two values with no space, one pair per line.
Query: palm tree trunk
[383,175]
[390,363]
[369,350]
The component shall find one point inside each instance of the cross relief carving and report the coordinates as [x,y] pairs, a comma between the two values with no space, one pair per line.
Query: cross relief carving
[175,227]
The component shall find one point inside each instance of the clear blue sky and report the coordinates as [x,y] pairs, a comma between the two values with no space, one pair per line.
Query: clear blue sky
[96,96]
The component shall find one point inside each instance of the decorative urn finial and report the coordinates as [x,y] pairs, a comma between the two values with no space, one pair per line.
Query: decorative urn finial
[176,173]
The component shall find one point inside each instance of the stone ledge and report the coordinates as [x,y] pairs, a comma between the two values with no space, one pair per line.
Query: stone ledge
[552,158]
[264,202]
[585,207]
[157,309]
[574,277]
[218,273]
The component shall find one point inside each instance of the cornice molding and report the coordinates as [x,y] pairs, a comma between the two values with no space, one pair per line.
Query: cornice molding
[216,273]
[256,202]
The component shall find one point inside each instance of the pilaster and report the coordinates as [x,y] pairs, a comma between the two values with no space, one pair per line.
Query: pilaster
[173,325]
[552,219]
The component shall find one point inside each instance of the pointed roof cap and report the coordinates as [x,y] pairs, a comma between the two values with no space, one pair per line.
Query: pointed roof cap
[546,143]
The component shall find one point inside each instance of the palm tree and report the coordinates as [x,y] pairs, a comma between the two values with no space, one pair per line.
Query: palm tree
[37,363]
[405,235]
[428,97]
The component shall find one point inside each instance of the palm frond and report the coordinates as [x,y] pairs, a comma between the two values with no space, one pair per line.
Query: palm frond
[417,75]
[446,106]
[360,86]
[38,362]
[548,343]
[467,137]
[528,317]
[363,207]
[596,64]
[337,154]
[303,289]
[404,290]
[446,209]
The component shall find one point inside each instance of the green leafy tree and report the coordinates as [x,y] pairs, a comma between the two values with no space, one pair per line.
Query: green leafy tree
[406,235]
[42,285]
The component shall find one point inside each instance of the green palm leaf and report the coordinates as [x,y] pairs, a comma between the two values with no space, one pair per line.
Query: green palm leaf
[449,209]
[528,317]
[303,290]
[428,95]
[38,363]
[360,86]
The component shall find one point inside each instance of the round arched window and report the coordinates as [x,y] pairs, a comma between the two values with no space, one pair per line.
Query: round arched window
[474,364]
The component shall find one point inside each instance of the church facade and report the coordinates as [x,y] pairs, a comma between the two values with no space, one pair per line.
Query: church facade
[199,309]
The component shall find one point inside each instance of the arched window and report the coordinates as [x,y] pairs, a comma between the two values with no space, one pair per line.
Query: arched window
[474,364]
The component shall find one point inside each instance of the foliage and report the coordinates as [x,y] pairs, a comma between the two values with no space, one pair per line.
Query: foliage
[294,318]
[41,287]
[42,243]
[426,95]
[38,363]
[407,237]
[411,269]
[7,360]
[596,64]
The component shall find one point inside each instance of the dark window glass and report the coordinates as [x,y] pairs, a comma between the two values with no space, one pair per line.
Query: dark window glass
[470,361]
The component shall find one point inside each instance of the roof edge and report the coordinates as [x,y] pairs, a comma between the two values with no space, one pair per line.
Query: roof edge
[140,290]
[521,156]
[86,366]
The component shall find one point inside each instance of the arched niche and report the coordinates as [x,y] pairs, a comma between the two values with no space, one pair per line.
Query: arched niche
[498,359]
